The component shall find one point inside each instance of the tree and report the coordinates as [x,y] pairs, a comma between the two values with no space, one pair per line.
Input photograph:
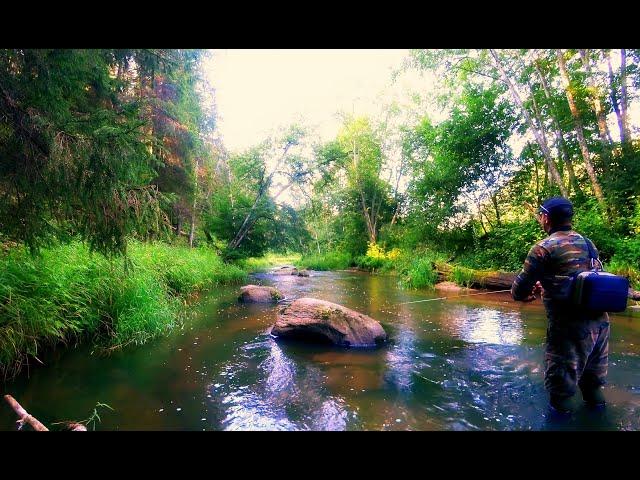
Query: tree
[360,143]
[466,155]
[76,154]
[597,189]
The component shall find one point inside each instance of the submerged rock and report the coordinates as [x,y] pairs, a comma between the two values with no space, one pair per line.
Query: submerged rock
[259,294]
[284,270]
[319,321]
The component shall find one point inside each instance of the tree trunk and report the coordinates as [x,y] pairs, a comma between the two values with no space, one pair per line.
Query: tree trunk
[248,223]
[193,225]
[536,133]
[560,143]
[597,190]
[623,95]
[492,280]
[538,118]
[179,225]
[614,98]
[494,200]
[603,130]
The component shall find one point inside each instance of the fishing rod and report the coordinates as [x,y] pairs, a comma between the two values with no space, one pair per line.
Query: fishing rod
[455,296]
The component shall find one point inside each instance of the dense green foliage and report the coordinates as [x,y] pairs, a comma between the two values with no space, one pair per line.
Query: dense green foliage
[82,146]
[68,294]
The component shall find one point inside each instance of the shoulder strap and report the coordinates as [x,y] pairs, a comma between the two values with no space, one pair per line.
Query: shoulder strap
[592,254]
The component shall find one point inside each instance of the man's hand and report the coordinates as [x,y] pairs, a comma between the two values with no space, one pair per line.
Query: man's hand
[535,293]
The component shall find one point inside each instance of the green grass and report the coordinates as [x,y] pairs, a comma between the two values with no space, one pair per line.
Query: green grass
[420,273]
[68,294]
[374,264]
[462,276]
[326,261]
[257,264]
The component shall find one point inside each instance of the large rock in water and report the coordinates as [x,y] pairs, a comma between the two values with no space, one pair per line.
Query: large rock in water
[320,321]
[259,294]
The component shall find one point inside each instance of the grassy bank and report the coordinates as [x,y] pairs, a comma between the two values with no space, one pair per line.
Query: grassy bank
[258,264]
[68,294]
[326,261]
[417,268]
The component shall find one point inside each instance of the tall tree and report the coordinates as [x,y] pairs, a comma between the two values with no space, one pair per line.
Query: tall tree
[75,150]
[537,132]
[623,96]
[560,142]
[579,129]
[360,142]
[594,94]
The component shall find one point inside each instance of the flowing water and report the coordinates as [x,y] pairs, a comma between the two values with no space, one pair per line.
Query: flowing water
[472,363]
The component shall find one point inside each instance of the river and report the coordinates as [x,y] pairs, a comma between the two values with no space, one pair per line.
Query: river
[472,363]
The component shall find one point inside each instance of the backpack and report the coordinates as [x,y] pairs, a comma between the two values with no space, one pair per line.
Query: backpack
[598,290]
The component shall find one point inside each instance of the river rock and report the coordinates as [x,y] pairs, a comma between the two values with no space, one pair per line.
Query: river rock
[259,294]
[285,270]
[302,273]
[319,321]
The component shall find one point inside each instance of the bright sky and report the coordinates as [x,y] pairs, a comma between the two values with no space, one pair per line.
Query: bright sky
[260,90]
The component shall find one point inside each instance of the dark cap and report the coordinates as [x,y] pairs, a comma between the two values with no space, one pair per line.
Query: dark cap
[557,208]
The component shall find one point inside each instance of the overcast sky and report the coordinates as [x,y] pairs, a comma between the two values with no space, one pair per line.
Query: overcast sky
[260,90]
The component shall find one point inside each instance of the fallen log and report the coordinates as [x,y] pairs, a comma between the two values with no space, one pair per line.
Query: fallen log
[29,419]
[24,416]
[490,280]
[487,279]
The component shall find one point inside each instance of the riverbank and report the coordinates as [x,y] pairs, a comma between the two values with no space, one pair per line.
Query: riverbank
[423,268]
[68,295]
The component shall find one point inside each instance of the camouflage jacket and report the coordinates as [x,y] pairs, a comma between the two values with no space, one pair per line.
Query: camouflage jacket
[553,261]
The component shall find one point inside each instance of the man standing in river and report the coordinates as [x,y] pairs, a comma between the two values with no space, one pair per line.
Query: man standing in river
[577,345]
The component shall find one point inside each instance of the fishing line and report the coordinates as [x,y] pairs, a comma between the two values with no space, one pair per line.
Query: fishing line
[455,296]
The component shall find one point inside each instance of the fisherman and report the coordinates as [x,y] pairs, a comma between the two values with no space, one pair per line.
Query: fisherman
[577,344]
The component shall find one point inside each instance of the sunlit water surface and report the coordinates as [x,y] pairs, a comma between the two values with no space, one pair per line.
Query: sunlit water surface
[465,364]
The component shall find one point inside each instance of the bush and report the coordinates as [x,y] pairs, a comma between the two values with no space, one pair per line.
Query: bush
[421,273]
[626,260]
[588,222]
[371,263]
[503,248]
[257,264]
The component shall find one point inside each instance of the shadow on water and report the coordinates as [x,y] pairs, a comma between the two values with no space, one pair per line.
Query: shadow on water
[465,364]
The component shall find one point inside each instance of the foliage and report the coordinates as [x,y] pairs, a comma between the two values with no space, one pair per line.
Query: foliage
[328,261]
[270,259]
[78,146]
[68,294]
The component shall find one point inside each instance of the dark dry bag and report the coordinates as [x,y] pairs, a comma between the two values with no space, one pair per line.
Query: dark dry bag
[599,290]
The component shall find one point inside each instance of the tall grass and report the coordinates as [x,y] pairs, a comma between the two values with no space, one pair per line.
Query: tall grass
[463,276]
[68,294]
[326,261]
[257,264]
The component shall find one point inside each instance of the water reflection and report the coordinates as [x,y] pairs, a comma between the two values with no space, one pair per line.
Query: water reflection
[280,395]
[401,359]
[484,325]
